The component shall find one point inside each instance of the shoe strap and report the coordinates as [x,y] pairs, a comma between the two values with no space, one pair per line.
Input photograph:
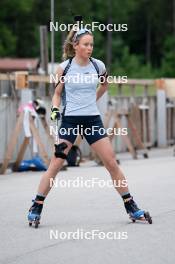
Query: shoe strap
[38,202]
[128,199]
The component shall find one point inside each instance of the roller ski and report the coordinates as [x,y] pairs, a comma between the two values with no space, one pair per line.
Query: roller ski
[135,213]
[35,213]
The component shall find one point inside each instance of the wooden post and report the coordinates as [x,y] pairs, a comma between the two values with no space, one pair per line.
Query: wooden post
[12,144]
[125,138]
[21,153]
[38,141]
[21,80]
[161,113]
[136,136]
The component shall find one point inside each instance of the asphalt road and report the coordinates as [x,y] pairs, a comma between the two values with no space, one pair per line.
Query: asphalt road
[77,221]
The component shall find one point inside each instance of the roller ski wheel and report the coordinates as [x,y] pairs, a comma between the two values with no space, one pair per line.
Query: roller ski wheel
[34,213]
[36,223]
[135,213]
[148,218]
[144,217]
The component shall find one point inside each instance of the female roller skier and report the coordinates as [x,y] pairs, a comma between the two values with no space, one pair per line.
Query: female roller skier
[81,109]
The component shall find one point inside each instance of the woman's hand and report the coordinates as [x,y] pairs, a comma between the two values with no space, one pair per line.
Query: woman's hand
[55,113]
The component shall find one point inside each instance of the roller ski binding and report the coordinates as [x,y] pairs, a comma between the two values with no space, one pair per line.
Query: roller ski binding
[35,213]
[135,213]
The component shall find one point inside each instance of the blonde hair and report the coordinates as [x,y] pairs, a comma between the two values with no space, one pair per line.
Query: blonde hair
[68,50]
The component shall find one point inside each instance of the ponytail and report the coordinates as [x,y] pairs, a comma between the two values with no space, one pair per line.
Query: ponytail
[68,50]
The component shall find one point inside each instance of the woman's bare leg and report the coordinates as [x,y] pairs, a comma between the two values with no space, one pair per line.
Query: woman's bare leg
[104,150]
[54,167]
[44,187]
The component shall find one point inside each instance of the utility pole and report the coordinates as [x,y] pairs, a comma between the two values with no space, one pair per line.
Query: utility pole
[44,49]
[173,10]
[52,38]
[109,37]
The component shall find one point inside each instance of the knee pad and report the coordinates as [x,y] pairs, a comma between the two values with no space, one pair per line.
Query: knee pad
[59,150]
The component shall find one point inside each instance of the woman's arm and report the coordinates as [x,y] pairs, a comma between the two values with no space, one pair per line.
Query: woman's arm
[56,99]
[101,89]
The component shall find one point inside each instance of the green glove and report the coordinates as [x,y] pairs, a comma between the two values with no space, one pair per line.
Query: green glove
[55,114]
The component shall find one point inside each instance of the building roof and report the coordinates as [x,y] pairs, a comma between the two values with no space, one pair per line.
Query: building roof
[15,64]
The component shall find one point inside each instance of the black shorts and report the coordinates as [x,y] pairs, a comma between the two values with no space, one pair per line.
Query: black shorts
[91,127]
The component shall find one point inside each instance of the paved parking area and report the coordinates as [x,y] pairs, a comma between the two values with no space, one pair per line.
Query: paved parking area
[83,210]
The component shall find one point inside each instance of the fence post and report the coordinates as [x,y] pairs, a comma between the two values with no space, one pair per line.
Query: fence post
[161,113]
